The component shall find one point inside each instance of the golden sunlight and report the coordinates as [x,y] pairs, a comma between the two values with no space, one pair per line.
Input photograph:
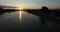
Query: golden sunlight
[20,8]
[20,15]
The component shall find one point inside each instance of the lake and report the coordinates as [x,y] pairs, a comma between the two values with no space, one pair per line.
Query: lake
[21,21]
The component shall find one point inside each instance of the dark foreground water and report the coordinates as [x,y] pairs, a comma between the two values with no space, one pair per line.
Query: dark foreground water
[10,22]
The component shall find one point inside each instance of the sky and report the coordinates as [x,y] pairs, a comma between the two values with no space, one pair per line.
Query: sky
[32,3]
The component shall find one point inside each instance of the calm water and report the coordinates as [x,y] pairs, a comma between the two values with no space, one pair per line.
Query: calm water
[13,22]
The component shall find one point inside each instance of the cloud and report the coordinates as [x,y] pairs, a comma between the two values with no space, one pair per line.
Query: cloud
[7,6]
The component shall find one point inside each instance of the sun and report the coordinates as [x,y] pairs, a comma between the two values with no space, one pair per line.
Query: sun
[20,8]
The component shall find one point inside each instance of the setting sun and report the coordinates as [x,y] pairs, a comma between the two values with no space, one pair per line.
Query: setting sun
[20,8]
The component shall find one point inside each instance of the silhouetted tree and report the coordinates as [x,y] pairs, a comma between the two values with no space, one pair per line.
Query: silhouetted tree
[0,8]
[45,10]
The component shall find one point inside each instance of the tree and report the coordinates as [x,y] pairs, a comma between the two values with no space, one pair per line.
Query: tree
[0,8]
[45,10]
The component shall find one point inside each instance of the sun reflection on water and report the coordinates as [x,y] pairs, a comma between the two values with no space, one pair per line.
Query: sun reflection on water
[20,15]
